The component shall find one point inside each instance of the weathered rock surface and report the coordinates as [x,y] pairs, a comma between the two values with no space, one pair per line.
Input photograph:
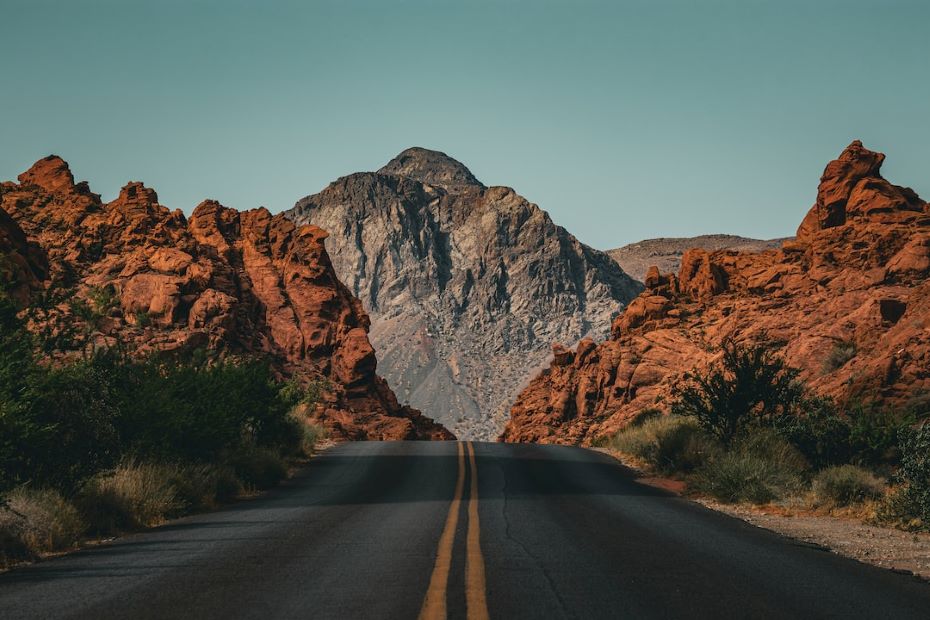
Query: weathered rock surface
[467,285]
[857,274]
[23,265]
[238,283]
[666,252]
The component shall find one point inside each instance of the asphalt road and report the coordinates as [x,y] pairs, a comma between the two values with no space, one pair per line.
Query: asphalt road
[399,530]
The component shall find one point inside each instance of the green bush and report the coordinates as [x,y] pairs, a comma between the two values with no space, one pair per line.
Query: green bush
[864,435]
[200,486]
[176,411]
[759,468]
[913,500]
[749,385]
[842,485]
[258,468]
[671,444]
[820,434]
[17,370]
[73,412]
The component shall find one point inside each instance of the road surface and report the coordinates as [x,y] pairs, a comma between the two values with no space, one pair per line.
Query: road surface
[401,530]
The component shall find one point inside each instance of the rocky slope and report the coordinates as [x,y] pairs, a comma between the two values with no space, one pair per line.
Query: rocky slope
[666,252]
[848,301]
[235,283]
[467,285]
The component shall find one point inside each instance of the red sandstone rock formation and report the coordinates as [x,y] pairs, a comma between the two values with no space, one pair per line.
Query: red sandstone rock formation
[237,283]
[857,273]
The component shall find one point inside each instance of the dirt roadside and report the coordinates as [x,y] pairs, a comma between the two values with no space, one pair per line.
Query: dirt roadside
[897,550]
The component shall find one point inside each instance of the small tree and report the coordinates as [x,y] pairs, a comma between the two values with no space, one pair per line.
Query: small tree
[751,383]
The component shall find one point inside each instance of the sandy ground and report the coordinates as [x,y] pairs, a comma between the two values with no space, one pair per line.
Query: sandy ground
[907,552]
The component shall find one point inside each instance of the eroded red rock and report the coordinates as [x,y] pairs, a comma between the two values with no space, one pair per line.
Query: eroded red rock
[236,282]
[857,273]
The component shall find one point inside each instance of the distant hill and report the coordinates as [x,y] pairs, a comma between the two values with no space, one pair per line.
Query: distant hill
[666,252]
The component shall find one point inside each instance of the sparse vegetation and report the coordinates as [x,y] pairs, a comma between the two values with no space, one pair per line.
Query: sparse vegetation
[668,443]
[841,353]
[131,496]
[37,521]
[107,442]
[842,485]
[750,385]
[909,504]
[760,467]
[747,431]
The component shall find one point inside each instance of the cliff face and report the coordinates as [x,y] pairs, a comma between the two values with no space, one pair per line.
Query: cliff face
[467,285]
[855,279]
[235,283]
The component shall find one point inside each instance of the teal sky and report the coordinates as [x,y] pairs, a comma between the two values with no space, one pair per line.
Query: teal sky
[624,120]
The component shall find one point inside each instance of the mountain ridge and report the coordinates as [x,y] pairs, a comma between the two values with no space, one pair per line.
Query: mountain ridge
[666,252]
[467,284]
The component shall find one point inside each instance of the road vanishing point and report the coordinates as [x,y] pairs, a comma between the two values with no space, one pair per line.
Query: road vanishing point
[459,530]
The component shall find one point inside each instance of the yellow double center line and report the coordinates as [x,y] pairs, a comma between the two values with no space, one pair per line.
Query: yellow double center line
[434,605]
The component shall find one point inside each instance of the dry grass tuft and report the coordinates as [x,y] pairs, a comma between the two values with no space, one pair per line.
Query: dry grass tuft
[34,522]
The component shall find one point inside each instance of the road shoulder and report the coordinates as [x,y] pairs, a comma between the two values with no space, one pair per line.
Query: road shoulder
[897,550]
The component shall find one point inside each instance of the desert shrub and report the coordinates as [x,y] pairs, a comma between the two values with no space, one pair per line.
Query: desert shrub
[911,503]
[258,468]
[749,385]
[819,433]
[67,425]
[72,412]
[200,486]
[56,425]
[875,432]
[639,438]
[841,352]
[131,496]
[42,519]
[760,467]
[176,411]
[842,485]
[12,547]
[311,435]
[863,435]
[671,444]
[17,367]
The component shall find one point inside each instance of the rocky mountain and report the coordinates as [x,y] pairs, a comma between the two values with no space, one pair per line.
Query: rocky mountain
[666,252]
[235,283]
[467,285]
[848,302]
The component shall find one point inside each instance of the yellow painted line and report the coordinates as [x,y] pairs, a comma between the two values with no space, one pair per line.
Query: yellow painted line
[434,605]
[475,586]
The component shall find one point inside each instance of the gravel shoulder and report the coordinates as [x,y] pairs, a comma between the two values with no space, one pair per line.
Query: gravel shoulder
[848,536]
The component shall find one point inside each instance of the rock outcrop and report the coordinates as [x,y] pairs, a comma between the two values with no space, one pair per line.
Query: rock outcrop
[23,265]
[855,280]
[467,285]
[666,252]
[235,283]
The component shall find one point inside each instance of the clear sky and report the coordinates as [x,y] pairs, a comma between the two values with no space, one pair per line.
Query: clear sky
[624,120]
